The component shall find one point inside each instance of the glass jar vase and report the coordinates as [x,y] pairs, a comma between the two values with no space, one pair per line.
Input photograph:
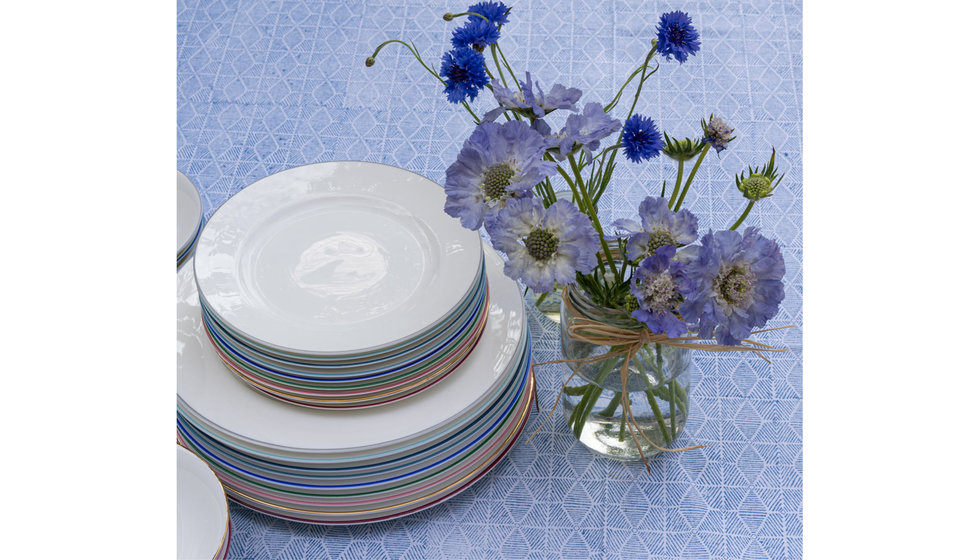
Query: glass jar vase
[657,387]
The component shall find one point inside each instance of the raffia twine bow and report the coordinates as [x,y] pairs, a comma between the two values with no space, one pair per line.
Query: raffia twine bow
[627,342]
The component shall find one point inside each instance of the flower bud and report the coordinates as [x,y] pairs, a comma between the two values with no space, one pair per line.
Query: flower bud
[756,186]
[369,62]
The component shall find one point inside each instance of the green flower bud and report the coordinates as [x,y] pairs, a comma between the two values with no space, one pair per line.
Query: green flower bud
[756,186]
[447,16]
[681,150]
[369,62]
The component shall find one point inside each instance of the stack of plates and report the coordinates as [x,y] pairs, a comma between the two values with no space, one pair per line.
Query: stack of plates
[190,217]
[341,285]
[344,273]
[203,527]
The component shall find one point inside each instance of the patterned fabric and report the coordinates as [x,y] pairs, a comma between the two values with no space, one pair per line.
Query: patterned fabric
[263,86]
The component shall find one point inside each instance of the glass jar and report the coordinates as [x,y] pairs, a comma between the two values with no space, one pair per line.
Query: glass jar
[657,387]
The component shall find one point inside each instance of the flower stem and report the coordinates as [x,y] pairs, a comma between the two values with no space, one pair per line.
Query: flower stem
[612,406]
[541,298]
[744,215]
[677,185]
[687,185]
[454,16]
[576,197]
[590,210]
[581,411]
[493,51]
[673,412]
[652,399]
[507,65]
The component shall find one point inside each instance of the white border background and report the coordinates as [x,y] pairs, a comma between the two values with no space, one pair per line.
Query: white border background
[890,207]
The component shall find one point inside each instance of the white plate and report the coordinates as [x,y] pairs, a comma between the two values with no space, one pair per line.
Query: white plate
[189,211]
[334,258]
[216,395]
[202,509]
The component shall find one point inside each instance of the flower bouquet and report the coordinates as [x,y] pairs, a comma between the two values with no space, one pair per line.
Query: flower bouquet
[639,296]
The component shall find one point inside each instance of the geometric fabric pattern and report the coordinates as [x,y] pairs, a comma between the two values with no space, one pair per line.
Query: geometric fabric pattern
[267,85]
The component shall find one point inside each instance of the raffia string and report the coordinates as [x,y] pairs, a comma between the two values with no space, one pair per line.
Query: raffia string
[629,342]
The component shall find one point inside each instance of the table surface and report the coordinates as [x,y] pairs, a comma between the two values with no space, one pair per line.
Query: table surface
[267,85]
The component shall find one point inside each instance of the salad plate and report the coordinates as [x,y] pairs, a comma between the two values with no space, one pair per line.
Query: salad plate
[189,213]
[202,510]
[335,259]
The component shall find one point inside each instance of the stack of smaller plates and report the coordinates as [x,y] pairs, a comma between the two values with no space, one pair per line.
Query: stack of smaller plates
[203,525]
[356,465]
[190,217]
[341,285]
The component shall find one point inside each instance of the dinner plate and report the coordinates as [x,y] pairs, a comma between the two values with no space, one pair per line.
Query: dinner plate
[189,212]
[450,444]
[335,258]
[207,390]
[202,510]
[375,514]
[405,450]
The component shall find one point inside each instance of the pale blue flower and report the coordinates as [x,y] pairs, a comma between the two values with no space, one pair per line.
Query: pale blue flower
[658,226]
[739,280]
[584,130]
[544,246]
[498,162]
[533,105]
[659,285]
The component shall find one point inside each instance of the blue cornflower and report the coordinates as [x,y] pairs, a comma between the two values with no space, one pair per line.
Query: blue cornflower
[676,36]
[658,226]
[477,35]
[532,105]
[496,12]
[659,285]
[585,129]
[464,73]
[544,246]
[641,139]
[498,162]
[739,282]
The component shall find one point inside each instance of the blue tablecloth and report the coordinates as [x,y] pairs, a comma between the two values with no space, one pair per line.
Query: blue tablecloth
[267,85]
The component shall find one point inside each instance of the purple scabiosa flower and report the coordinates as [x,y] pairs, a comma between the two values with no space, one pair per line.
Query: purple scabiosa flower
[522,99]
[559,97]
[496,12]
[717,133]
[659,285]
[658,227]
[464,73]
[532,105]
[498,162]
[641,139]
[739,284]
[676,36]
[544,246]
[585,129]
[476,35]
